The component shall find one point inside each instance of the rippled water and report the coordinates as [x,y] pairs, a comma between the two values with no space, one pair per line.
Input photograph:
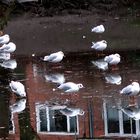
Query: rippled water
[42,114]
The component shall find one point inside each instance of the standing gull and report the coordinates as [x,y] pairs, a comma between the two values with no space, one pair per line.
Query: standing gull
[132,89]
[54,57]
[99,46]
[18,88]
[98,29]
[4,39]
[70,87]
[8,48]
[113,59]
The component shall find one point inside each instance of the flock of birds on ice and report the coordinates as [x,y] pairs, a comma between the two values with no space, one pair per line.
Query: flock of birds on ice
[18,88]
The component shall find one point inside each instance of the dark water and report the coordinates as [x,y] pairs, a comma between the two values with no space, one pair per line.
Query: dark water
[100,110]
[41,116]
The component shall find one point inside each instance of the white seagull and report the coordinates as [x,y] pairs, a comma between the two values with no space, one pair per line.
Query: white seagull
[5,56]
[18,88]
[70,87]
[4,39]
[132,89]
[113,79]
[132,112]
[9,64]
[55,78]
[19,106]
[100,64]
[8,48]
[99,46]
[71,112]
[113,59]
[98,29]
[54,57]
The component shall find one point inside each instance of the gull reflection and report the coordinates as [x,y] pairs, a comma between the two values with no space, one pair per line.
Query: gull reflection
[67,111]
[19,106]
[132,111]
[71,112]
[55,78]
[5,56]
[9,64]
[113,79]
[100,64]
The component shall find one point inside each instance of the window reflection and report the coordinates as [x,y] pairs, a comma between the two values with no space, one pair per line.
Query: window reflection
[117,123]
[43,122]
[113,120]
[11,123]
[129,125]
[54,121]
[57,121]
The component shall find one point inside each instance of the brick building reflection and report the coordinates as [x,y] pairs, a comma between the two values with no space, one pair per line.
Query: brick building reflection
[100,120]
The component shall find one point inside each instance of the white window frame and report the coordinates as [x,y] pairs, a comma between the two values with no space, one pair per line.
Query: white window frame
[121,129]
[37,107]
[13,125]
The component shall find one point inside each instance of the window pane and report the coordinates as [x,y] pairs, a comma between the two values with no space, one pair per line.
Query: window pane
[43,119]
[58,122]
[127,125]
[10,123]
[112,120]
[73,124]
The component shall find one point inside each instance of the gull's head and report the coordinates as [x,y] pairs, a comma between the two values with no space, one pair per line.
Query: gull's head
[104,41]
[60,52]
[23,100]
[11,44]
[81,112]
[117,55]
[135,84]
[6,36]
[80,85]
[23,94]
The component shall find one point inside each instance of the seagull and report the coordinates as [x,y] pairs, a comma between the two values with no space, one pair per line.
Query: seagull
[55,78]
[5,56]
[4,39]
[132,89]
[113,79]
[113,59]
[8,48]
[9,64]
[132,112]
[100,64]
[54,57]
[98,29]
[18,88]
[99,46]
[71,112]
[19,106]
[70,87]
